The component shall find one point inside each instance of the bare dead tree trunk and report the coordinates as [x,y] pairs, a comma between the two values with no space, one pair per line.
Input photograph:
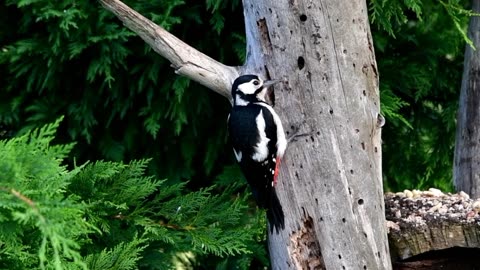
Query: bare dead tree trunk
[466,170]
[330,185]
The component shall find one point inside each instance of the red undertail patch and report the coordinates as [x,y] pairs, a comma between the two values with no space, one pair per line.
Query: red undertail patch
[277,168]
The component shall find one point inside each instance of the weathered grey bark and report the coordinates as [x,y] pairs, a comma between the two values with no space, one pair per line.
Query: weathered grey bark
[330,185]
[331,181]
[424,221]
[466,170]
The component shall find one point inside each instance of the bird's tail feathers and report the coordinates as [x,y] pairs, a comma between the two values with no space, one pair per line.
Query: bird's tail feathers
[275,215]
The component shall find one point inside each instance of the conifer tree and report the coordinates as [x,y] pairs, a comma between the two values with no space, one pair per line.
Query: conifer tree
[109,215]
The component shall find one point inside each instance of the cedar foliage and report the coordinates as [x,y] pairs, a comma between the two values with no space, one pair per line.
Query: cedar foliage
[419,48]
[107,215]
[119,98]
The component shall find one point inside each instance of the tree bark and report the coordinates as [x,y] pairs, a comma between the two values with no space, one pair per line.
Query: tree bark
[466,171]
[330,184]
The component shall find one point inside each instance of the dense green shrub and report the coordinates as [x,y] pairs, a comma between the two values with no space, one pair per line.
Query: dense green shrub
[110,215]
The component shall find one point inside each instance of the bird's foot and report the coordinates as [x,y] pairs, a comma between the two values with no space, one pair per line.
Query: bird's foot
[295,133]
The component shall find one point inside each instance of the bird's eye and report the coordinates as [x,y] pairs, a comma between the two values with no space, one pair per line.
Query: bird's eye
[256,82]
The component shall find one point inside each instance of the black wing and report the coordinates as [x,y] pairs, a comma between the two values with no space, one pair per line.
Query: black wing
[242,129]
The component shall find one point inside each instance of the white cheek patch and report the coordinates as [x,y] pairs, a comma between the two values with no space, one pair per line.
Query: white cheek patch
[247,88]
[261,149]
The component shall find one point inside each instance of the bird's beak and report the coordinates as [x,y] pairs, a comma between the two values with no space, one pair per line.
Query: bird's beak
[269,83]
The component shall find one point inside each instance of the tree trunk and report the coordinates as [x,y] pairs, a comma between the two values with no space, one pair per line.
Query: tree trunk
[466,170]
[330,185]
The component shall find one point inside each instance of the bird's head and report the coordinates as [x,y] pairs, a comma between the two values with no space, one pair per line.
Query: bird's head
[250,88]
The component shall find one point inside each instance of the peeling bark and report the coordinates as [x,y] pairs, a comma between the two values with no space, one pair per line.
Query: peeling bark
[304,248]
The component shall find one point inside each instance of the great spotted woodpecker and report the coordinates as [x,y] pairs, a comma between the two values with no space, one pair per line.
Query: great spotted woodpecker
[259,143]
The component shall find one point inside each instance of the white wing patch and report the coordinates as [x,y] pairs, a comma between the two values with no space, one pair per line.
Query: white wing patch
[261,149]
[281,140]
[238,155]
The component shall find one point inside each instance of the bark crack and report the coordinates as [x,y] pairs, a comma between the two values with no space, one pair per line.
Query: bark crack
[336,57]
[265,36]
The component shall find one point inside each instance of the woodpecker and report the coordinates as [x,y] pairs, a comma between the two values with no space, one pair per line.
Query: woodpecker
[259,142]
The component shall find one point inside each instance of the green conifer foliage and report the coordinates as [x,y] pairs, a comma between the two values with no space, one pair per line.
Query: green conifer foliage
[120,99]
[419,49]
[109,215]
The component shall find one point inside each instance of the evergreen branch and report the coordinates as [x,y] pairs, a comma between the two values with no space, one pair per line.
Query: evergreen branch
[186,60]
[25,199]
[456,12]
[51,235]
[176,227]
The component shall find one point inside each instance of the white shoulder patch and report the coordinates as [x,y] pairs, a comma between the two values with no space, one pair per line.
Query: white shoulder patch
[240,101]
[281,139]
[261,149]
[238,155]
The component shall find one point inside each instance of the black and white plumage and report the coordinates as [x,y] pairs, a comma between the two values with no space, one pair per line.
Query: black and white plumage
[259,142]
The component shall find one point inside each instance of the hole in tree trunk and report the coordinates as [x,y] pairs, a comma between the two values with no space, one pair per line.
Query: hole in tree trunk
[301,63]
[304,248]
